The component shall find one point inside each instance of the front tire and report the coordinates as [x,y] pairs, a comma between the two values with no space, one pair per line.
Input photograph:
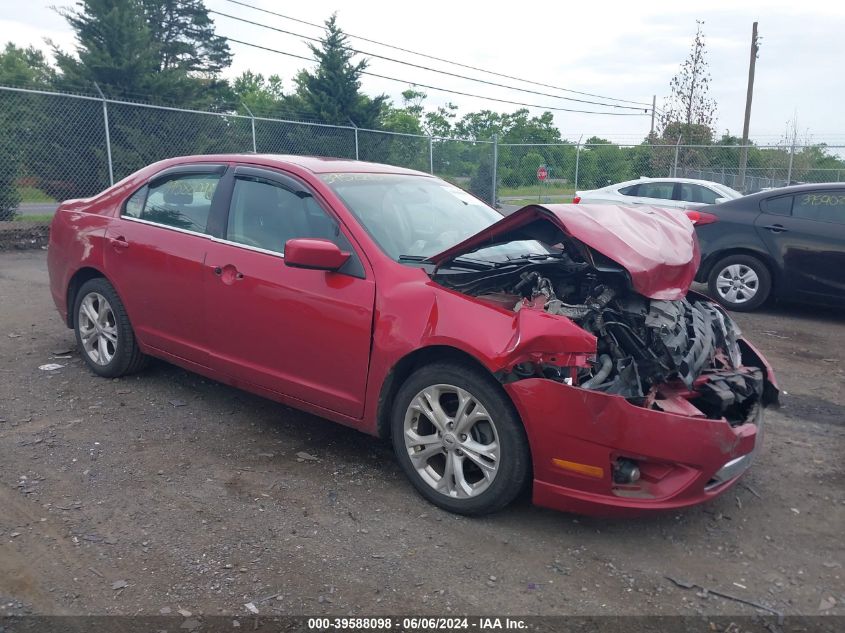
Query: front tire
[740,282]
[459,440]
[103,332]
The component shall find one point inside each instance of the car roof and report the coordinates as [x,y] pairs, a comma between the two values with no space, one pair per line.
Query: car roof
[693,181]
[781,191]
[314,164]
[755,198]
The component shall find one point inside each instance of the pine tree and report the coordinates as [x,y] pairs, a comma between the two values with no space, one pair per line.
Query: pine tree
[114,48]
[154,50]
[333,92]
[185,37]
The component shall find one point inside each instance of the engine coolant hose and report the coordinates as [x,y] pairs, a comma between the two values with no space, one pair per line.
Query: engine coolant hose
[601,375]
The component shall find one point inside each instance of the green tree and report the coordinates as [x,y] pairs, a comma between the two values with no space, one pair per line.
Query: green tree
[155,50]
[263,97]
[333,91]
[406,119]
[25,67]
[689,110]
[185,37]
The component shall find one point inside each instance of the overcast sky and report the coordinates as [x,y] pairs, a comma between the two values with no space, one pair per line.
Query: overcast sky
[627,50]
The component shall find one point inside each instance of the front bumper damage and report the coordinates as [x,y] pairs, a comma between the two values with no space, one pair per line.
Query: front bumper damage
[684,458]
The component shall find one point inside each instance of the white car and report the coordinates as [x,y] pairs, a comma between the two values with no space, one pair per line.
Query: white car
[678,193]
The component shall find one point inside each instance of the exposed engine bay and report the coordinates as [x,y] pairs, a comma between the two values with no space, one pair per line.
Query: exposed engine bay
[648,351]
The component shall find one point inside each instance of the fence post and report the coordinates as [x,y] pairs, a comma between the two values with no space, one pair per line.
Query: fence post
[577,161]
[675,166]
[430,155]
[356,143]
[108,136]
[495,167]
[252,121]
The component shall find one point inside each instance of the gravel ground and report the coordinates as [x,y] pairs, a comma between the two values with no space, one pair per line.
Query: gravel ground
[167,491]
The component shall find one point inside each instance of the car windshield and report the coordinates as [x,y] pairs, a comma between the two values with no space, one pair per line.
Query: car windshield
[414,217]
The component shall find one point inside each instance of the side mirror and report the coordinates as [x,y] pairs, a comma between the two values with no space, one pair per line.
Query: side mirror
[721,200]
[316,254]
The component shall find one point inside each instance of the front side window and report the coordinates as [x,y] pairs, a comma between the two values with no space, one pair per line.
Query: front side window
[266,215]
[824,206]
[696,193]
[182,202]
[659,190]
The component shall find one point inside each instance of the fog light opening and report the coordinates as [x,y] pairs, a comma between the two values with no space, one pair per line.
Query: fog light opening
[625,471]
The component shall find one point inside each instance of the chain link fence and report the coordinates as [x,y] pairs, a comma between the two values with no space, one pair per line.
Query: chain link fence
[55,146]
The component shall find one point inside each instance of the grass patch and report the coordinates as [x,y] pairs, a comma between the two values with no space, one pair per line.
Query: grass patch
[521,202]
[31,194]
[43,217]
[529,191]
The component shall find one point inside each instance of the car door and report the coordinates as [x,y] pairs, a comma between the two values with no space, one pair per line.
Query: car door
[155,253]
[806,233]
[303,333]
[658,193]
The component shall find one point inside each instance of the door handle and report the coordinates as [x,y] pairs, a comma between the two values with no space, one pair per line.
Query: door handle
[119,243]
[776,228]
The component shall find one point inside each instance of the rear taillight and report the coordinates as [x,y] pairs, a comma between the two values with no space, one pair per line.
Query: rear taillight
[576,199]
[699,218]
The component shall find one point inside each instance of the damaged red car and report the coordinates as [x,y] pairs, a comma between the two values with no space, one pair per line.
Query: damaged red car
[559,348]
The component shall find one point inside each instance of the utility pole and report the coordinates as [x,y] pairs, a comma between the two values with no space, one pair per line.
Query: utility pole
[653,106]
[743,159]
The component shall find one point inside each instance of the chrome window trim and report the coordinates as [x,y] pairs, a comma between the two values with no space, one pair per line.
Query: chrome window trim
[255,249]
[129,218]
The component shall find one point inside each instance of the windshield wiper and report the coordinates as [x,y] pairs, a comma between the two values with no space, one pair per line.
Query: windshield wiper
[536,256]
[475,264]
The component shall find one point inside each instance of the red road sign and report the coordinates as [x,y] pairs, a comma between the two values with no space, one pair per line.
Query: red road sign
[542,174]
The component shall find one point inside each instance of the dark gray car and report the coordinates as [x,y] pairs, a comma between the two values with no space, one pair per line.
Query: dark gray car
[787,243]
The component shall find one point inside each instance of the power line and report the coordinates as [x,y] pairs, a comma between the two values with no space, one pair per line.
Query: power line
[428,68]
[456,92]
[440,59]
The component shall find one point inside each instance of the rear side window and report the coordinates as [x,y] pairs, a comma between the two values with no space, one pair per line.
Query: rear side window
[630,190]
[660,190]
[779,206]
[824,206]
[182,202]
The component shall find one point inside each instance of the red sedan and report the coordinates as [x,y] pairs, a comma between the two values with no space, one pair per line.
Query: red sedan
[559,347]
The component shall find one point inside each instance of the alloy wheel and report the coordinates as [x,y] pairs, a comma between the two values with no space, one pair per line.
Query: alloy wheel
[452,441]
[98,328]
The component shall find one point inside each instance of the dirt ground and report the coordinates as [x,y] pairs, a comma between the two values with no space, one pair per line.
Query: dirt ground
[166,491]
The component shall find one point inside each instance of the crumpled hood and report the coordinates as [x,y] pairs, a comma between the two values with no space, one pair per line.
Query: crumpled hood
[656,246]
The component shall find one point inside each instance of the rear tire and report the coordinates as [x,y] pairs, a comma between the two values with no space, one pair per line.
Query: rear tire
[459,439]
[740,282]
[103,333]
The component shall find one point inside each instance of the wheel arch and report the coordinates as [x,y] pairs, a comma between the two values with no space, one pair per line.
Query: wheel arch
[409,363]
[82,275]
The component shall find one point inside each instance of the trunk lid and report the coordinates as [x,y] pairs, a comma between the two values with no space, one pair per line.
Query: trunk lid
[657,247]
